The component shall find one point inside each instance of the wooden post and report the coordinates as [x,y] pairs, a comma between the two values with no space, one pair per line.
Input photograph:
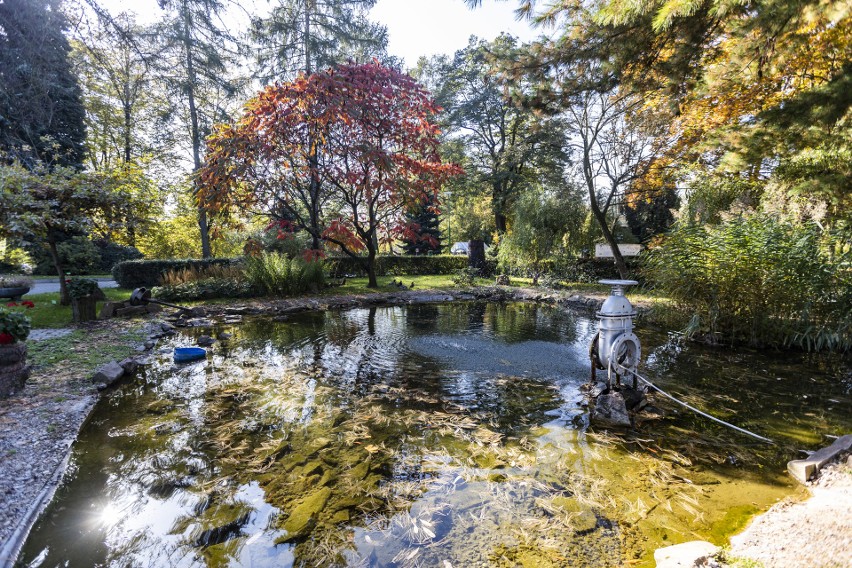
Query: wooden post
[84,309]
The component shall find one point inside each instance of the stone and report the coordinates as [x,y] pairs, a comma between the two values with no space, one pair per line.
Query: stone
[131,311]
[109,308]
[632,397]
[14,353]
[610,410]
[685,555]
[198,322]
[205,341]
[224,336]
[13,381]
[582,518]
[148,345]
[804,470]
[130,365]
[502,280]
[303,517]
[153,308]
[167,327]
[108,374]
[597,389]
[196,312]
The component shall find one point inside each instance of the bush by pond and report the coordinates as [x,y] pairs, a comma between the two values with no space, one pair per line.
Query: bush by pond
[761,280]
[278,275]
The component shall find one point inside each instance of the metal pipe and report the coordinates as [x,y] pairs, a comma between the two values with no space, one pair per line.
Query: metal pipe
[142,296]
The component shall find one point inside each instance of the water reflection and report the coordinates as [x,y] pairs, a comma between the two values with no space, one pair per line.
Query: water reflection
[420,436]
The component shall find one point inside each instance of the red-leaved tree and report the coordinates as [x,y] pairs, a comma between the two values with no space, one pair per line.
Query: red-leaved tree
[341,154]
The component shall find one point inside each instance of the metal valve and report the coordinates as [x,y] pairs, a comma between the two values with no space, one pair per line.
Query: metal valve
[616,348]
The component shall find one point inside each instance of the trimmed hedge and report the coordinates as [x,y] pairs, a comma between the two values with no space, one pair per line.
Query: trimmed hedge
[584,269]
[136,273]
[339,267]
[206,289]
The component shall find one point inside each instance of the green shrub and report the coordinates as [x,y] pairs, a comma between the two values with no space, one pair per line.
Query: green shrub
[14,327]
[204,289]
[112,253]
[760,280]
[465,277]
[82,287]
[277,275]
[580,269]
[149,273]
[78,256]
[389,265]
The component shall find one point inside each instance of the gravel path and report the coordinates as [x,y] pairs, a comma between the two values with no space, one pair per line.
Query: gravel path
[816,533]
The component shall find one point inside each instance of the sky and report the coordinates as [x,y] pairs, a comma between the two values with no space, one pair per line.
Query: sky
[415,27]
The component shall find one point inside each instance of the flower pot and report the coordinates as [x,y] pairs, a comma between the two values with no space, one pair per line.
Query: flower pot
[15,293]
[14,370]
[84,309]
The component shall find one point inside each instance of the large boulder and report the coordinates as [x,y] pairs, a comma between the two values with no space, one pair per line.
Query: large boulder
[108,374]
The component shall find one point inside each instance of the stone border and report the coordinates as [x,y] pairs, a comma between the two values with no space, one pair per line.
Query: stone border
[12,548]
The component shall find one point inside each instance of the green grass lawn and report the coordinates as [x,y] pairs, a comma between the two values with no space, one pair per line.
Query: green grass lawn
[48,313]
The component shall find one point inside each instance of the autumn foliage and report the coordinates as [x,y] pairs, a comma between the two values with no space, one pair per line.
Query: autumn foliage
[341,154]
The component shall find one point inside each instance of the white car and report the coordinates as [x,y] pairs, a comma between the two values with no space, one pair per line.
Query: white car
[460,248]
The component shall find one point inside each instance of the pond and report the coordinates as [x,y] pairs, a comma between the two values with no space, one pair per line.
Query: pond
[448,435]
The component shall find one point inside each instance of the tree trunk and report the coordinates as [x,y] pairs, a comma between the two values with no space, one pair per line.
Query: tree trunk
[371,268]
[600,217]
[57,265]
[498,201]
[500,223]
[309,5]
[476,255]
[203,225]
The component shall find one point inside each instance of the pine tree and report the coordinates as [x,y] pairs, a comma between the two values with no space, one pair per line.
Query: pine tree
[195,66]
[425,234]
[311,35]
[41,113]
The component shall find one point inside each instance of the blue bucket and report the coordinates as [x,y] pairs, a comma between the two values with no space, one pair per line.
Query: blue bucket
[184,354]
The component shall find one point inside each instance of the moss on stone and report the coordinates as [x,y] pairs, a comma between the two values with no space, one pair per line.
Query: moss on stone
[303,517]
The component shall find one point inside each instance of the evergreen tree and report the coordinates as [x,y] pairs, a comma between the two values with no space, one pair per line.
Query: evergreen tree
[195,66]
[41,113]
[311,35]
[424,234]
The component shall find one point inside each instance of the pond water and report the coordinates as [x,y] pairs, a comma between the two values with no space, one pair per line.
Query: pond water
[436,435]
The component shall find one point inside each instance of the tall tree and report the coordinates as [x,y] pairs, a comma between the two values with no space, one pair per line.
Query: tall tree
[612,155]
[378,157]
[41,113]
[543,220]
[756,90]
[113,62]
[508,148]
[196,67]
[310,35]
